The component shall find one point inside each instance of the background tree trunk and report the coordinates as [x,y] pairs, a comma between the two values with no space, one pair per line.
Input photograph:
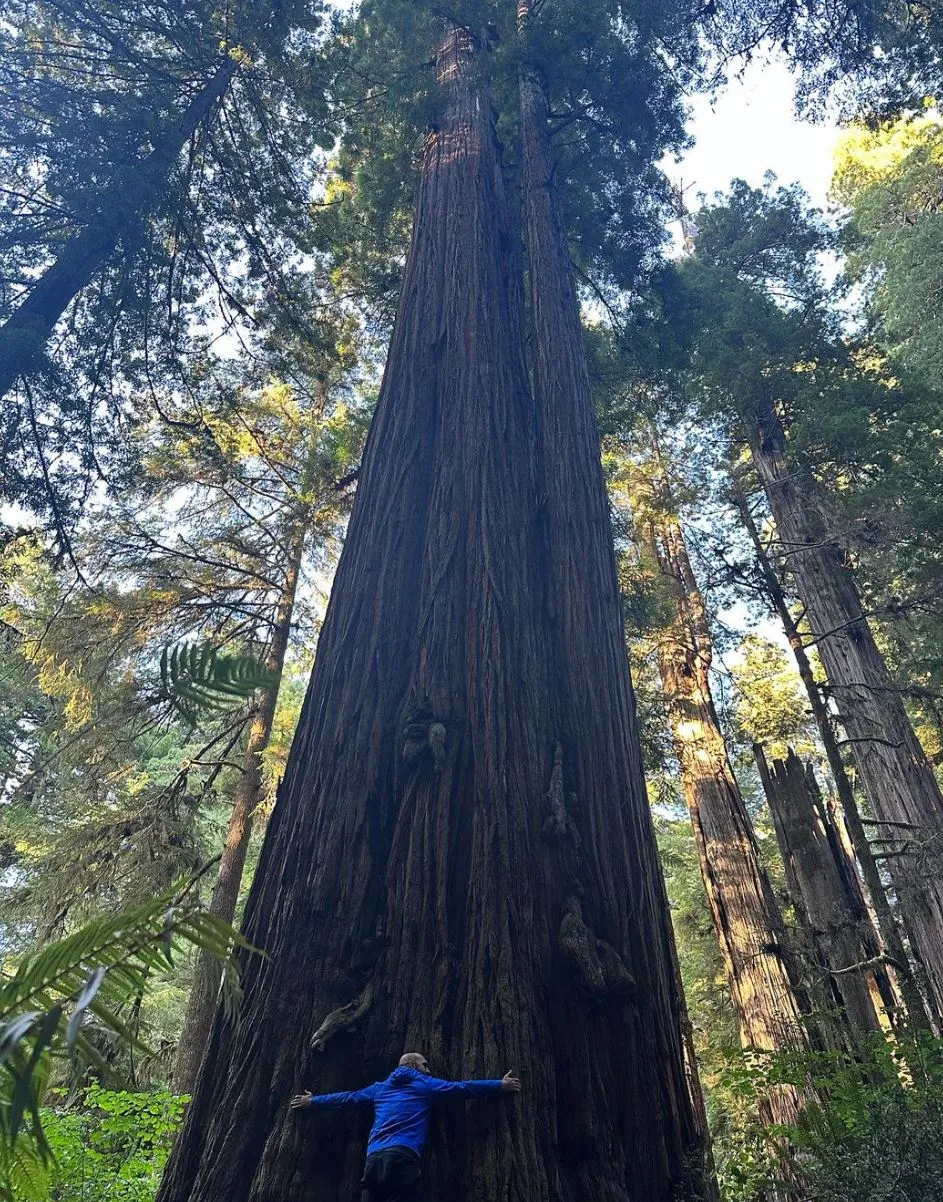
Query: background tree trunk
[860,853]
[25,333]
[407,895]
[201,1005]
[746,916]
[828,899]
[896,775]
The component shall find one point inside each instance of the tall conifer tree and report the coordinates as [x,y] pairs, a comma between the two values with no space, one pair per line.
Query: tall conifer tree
[460,857]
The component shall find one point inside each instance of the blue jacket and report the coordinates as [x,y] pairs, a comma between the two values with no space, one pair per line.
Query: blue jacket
[402,1103]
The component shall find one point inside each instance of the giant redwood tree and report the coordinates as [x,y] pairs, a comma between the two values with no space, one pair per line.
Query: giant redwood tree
[746,916]
[460,858]
[772,368]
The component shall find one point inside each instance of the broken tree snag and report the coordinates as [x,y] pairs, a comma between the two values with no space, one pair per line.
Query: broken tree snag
[902,997]
[899,997]
[893,767]
[828,900]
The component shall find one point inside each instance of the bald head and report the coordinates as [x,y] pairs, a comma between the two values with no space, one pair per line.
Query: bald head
[414,1060]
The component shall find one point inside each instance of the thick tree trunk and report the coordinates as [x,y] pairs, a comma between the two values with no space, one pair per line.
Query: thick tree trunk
[891,940]
[829,903]
[412,890]
[897,777]
[25,333]
[201,1006]
[747,920]
[583,612]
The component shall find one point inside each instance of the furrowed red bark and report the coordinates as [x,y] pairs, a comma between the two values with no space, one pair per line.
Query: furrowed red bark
[860,853]
[201,1005]
[24,334]
[829,903]
[415,888]
[895,773]
[592,705]
[746,916]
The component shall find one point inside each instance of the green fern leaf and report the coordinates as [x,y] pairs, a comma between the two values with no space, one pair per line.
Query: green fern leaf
[197,678]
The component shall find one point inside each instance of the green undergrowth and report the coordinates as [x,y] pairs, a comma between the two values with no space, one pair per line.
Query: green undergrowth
[873,1134]
[108,1146]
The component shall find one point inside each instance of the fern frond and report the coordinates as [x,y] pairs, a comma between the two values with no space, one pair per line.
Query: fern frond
[197,678]
[96,970]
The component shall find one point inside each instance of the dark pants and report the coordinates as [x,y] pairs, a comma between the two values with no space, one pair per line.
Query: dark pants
[393,1175]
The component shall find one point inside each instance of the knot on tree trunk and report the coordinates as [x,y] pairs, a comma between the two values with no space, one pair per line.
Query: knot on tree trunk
[342,1018]
[558,823]
[599,968]
[424,733]
[437,744]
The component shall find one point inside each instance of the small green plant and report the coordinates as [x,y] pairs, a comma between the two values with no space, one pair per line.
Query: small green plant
[111,1146]
[871,1131]
[876,1135]
[98,970]
[744,1151]
[198,679]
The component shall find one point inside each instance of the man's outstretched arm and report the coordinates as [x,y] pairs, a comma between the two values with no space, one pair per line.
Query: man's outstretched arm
[471,1089]
[357,1097]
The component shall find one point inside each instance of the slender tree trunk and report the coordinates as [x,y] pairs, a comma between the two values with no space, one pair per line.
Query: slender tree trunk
[829,903]
[583,613]
[201,1006]
[894,984]
[25,333]
[892,943]
[410,891]
[747,920]
[897,777]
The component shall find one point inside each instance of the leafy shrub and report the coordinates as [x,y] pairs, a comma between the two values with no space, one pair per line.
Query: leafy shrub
[98,970]
[877,1136]
[874,1134]
[110,1148]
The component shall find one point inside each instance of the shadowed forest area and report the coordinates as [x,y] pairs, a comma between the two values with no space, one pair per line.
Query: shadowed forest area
[462,590]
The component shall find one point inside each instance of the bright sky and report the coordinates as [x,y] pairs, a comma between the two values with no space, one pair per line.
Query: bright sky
[751,129]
